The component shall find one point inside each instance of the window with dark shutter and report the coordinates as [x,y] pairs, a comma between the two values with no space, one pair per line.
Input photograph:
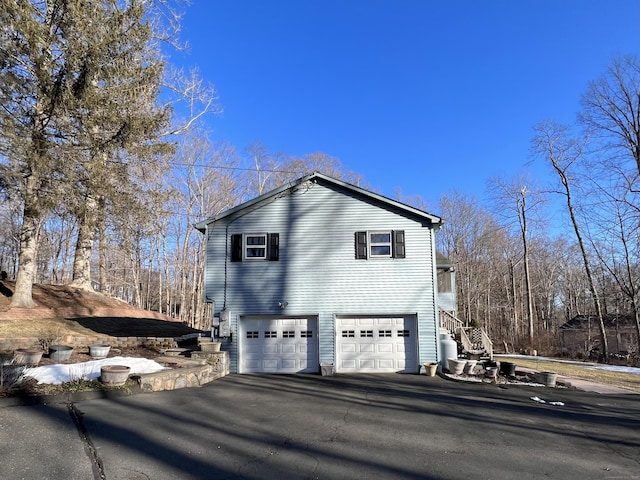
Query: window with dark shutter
[380,244]
[361,245]
[255,246]
[398,244]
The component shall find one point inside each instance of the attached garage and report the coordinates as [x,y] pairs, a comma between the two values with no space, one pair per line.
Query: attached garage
[278,345]
[377,344]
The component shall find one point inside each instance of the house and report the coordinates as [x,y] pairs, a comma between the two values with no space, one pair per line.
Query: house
[320,271]
[581,334]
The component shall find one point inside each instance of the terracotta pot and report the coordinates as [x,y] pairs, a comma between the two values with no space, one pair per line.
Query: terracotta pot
[430,369]
[114,374]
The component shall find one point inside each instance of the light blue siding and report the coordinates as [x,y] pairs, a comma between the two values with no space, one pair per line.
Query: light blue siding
[317,272]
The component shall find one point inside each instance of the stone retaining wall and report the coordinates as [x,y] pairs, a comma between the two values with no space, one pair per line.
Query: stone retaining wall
[41,313]
[10,344]
[217,366]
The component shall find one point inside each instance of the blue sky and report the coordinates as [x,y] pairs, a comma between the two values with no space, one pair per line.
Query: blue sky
[416,95]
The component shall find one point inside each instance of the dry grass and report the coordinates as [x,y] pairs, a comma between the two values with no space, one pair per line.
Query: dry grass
[50,328]
[630,381]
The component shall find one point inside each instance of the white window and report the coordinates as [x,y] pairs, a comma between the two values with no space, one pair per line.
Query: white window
[255,246]
[380,244]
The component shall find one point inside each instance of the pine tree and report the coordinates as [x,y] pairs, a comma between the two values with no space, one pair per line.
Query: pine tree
[78,85]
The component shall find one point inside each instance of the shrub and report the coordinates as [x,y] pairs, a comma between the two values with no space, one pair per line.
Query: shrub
[11,376]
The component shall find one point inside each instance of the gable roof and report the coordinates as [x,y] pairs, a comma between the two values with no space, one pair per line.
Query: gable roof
[320,178]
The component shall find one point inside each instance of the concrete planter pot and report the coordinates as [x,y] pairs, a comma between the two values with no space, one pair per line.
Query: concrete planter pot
[491,372]
[60,352]
[508,369]
[470,367]
[456,366]
[548,379]
[114,374]
[210,347]
[99,350]
[327,369]
[27,356]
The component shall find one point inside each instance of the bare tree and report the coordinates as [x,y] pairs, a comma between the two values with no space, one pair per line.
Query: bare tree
[552,142]
[468,241]
[517,200]
[611,108]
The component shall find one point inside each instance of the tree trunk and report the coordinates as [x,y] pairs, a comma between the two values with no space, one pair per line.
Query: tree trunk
[102,253]
[84,246]
[29,241]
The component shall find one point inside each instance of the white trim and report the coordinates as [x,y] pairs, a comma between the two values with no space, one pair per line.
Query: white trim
[259,246]
[371,244]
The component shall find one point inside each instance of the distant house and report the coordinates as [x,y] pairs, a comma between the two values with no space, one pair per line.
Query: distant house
[320,271]
[582,333]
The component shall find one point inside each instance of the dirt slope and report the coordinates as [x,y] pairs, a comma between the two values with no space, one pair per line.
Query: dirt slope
[62,307]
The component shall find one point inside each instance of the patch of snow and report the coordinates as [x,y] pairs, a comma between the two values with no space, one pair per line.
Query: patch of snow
[539,400]
[57,374]
[615,368]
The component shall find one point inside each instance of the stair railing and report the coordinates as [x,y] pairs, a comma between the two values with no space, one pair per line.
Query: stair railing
[450,322]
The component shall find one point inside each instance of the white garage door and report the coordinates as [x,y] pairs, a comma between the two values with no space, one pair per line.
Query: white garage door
[377,344]
[278,345]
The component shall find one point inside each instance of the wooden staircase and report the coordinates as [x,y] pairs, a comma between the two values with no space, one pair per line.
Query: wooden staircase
[473,342]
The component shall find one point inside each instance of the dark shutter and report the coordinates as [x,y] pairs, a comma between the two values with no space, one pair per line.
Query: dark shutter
[398,244]
[274,246]
[236,247]
[361,245]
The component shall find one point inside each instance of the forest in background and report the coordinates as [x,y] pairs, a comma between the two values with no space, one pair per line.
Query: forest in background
[105,166]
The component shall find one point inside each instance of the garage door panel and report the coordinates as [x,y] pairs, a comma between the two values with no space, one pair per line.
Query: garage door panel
[269,348]
[289,363]
[278,345]
[257,349]
[366,364]
[253,364]
[367,348]
[386,364]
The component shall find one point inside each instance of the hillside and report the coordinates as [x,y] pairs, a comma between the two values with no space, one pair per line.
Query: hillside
[63,309]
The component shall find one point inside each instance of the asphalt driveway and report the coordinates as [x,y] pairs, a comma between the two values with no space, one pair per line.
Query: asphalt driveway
[313,427]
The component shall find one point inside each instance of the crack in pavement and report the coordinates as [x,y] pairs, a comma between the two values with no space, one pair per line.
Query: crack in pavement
[96,462]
